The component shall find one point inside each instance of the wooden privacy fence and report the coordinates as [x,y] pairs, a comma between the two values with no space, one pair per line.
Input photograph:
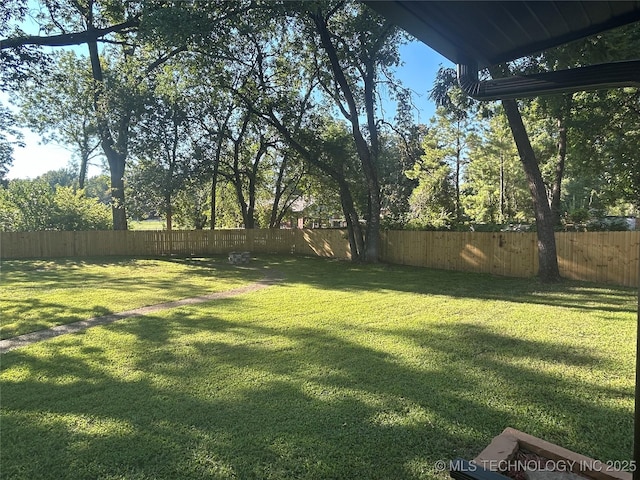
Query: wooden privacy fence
[52,244]
[606,257]
[510,254]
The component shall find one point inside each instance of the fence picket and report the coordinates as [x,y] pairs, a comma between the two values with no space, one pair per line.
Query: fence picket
[606,257]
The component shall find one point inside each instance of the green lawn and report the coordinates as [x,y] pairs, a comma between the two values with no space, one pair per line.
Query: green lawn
[38,294]
[147,225]
[340,371]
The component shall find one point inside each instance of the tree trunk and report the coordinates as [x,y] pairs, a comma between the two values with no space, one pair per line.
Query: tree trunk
[356,238]
[274,218]
[84,159]
[372,240]
[169,216]
[253,182]
[458,168]
[83,171]
[116,168]
[366,154]
[548,260]
[241,203]
[116,160]
[250,221]
[502,190]
[214,188]
[354,230]
[369,160]
[556,191]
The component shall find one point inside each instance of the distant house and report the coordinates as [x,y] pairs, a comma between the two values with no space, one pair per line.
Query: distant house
[307,213]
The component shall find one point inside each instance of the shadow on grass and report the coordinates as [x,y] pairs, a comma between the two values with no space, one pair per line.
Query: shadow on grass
[72,273]
[424,281]
[204,397]
[192,395]
[57,313]
[80,276]
[323,274]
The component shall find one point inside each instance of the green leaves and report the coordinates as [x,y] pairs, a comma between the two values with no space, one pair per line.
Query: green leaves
[30,205]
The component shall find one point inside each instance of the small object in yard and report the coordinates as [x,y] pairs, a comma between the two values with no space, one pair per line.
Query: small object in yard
[236,258]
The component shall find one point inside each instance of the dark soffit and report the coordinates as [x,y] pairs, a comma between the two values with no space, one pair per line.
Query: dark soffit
[491,32]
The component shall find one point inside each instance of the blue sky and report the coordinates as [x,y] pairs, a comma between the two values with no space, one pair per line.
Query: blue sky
[420,64]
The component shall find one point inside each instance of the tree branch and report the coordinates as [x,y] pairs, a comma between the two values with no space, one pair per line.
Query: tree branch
[67,39]
[163,59]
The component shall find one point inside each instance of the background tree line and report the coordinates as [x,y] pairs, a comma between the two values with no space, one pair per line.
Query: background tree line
[226,114]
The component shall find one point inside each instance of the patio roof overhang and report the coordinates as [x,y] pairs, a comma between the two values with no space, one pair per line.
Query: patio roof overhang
[479,34]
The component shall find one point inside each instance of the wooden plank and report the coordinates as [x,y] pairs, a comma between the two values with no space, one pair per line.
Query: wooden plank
[609,257]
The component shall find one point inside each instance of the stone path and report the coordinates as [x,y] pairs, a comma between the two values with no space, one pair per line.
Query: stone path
[33,337]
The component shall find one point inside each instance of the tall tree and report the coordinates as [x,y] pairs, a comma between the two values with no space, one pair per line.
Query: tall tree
[400,150]
[73,23]
[164,150]
[432,202]
[280,87]
[214,110]
[548,262]
[166,31]
[592,50]
[548,270]
[357,46]
[495,190]
[448,139]
[9,138]
[251,146]
[58,106]
[453,126]
[289,172]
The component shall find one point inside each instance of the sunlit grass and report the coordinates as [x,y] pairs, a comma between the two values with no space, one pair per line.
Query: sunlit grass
[340,371]
[147,225]
[38,294]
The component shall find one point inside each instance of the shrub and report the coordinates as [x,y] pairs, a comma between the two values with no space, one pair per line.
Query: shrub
[31,205]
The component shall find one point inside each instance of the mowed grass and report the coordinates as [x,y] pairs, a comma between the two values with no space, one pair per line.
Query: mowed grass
[39,294]
[147,225]
[338,372]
